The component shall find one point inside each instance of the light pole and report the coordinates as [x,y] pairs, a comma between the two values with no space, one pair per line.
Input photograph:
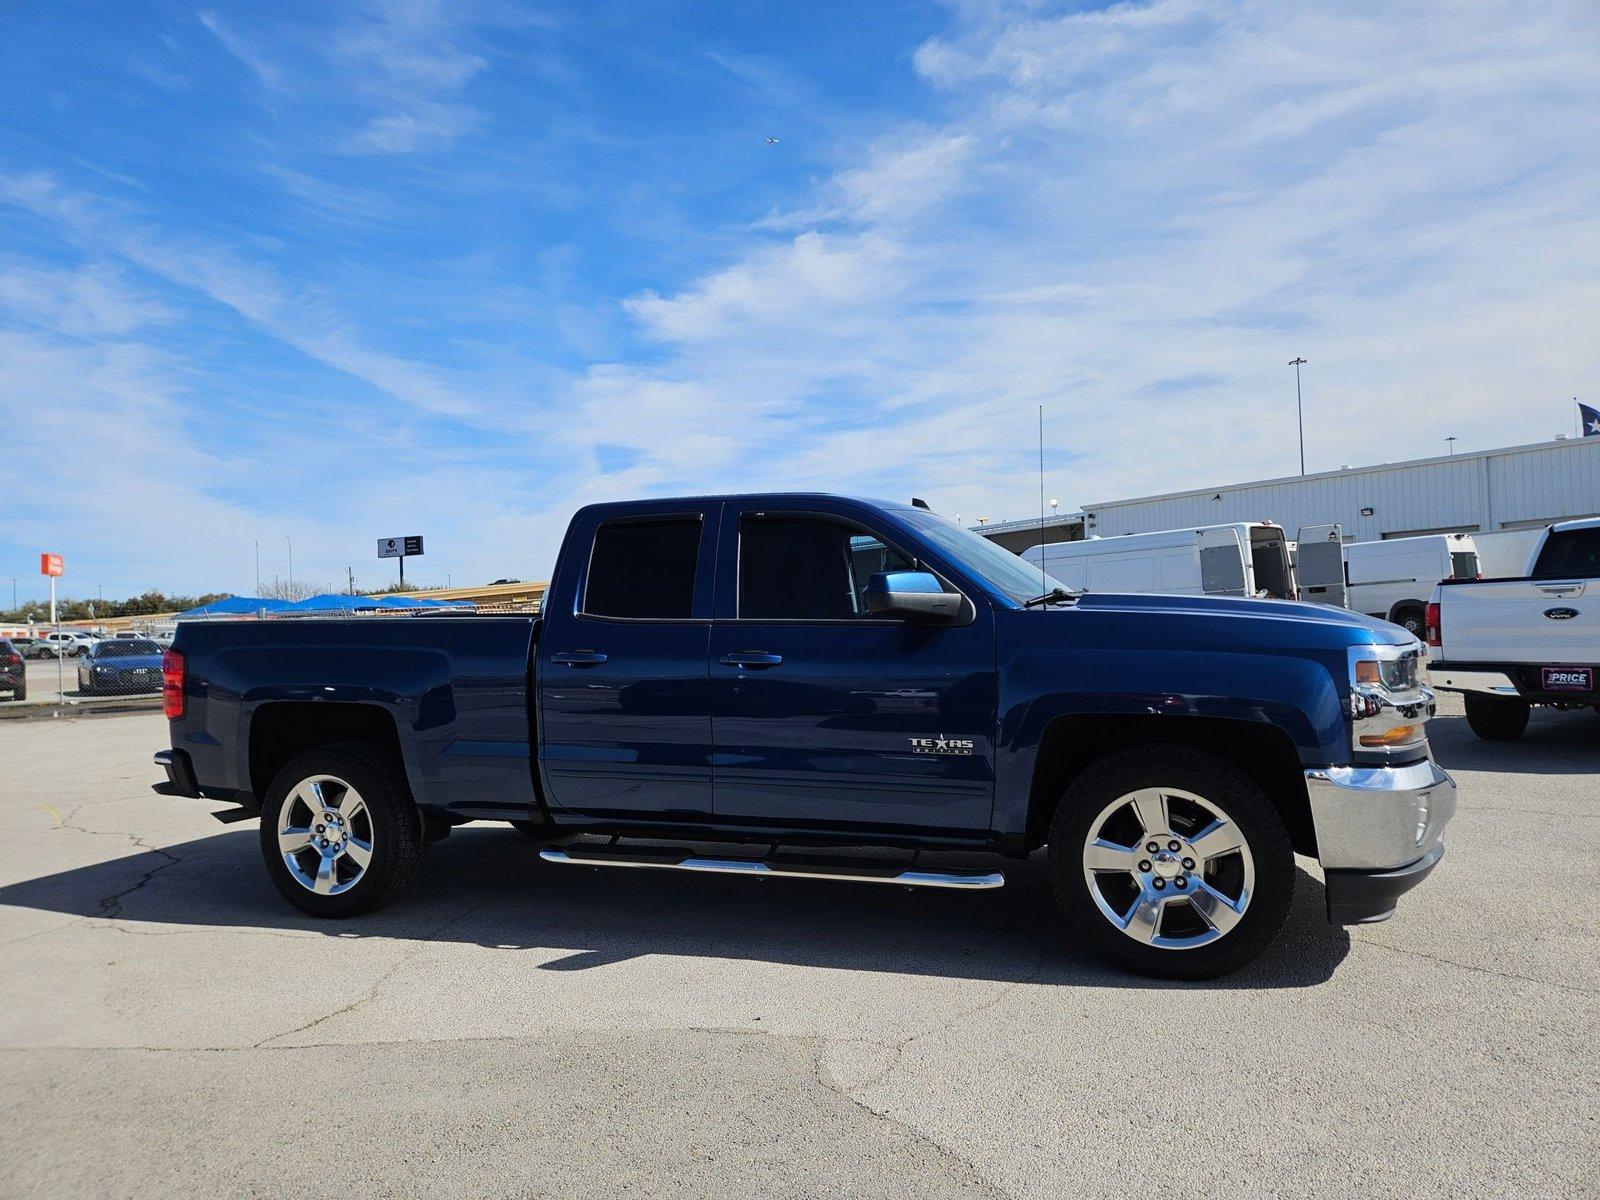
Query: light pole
[1299,409]
[1451,442]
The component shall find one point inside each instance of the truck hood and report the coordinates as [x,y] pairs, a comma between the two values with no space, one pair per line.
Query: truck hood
[1224,620]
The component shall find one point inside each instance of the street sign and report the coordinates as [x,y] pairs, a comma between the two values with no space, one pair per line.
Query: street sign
[400,547]
[50,564]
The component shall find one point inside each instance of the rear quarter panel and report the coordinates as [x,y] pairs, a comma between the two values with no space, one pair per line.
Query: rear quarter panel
[455,688]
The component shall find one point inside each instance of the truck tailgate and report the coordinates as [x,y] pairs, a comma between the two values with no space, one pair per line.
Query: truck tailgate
[1521,621]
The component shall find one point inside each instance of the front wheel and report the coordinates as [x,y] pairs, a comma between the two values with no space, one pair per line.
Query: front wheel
[1171,862]
[339,832]
[1497,718]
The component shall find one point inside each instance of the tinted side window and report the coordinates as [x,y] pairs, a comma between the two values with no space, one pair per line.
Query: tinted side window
[808,570]
[643,569]
[1574,554]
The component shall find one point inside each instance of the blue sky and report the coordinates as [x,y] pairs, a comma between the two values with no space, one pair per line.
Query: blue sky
[335,272]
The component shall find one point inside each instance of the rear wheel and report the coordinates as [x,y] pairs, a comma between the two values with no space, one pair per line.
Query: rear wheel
[1497,718]
[339,832]
[1171,862]
[1412,619]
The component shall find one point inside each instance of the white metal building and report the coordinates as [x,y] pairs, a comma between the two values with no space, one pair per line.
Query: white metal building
[1516,488]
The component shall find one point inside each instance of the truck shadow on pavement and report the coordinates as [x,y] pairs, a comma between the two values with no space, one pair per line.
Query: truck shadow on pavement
[486,886]
[1556,743]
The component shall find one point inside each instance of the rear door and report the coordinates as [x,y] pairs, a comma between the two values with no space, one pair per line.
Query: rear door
[625,713]
[824,714]
[1222,559]
[1320,570]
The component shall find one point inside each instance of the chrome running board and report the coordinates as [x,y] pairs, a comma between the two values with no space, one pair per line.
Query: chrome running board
[839,869]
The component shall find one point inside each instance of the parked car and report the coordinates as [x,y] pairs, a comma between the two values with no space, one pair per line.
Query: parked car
[784,673]
[13,671]
[120,666]
[68,643]
[1245,559]
[32,647]
[1510,644]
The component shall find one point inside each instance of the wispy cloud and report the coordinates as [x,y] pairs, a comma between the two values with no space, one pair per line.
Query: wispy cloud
[242,49]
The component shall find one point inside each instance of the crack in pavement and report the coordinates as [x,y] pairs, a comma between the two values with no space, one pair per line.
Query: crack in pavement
[1450,962]
[418,946]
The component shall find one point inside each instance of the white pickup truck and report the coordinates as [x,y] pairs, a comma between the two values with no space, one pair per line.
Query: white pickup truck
[1509,644]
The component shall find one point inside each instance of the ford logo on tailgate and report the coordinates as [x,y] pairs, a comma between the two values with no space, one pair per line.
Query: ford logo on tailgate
[1561,614]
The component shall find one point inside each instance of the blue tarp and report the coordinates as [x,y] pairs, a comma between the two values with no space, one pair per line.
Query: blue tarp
[333,602]
[235,606]
[420,602]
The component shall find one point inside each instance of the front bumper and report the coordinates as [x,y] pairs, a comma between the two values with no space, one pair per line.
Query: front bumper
[1380,830]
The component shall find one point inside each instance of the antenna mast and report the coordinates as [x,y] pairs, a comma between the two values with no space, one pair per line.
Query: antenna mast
[1043,575]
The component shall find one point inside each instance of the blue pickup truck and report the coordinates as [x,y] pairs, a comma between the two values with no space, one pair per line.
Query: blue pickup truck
[811,686]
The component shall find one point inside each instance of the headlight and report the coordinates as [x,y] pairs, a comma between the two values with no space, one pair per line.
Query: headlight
[1389,706]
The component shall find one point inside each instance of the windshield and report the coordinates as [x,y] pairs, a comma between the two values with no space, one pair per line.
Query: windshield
[1013,577]
[125,648]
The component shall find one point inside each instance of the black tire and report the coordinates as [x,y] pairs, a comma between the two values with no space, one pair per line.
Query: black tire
[1497,718]
[1202,774]
[1413,619]
[22,692]
[398,846]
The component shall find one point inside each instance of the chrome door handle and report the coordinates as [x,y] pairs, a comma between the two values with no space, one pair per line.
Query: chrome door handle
[1560,589]
[755,660]
[577,658]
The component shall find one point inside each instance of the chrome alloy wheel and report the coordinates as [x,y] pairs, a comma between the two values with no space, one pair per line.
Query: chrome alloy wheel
[325,835]
[1168,868]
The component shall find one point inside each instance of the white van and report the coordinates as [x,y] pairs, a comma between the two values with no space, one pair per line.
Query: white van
[1245,559]
[1391,579]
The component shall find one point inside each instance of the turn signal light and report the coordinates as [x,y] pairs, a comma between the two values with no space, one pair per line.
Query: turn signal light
[1367,672]
[1431,620]
[1398,736]
[172,678]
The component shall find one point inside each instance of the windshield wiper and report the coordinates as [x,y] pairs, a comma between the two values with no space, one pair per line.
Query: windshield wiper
[1053,596]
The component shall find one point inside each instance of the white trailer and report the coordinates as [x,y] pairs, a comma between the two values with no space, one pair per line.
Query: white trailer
[1250,558]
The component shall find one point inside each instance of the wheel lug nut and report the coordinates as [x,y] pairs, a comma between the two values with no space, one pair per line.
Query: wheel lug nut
[1188,864]
[1182,881]
[1172,845]
[1153,847]
[1144,865]
[1160,885]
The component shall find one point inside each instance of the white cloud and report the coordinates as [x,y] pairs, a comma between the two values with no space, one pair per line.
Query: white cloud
[1136,216]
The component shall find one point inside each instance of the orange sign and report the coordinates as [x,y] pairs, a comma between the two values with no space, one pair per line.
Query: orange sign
[49,564]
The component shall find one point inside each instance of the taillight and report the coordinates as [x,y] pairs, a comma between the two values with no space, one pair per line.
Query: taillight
[13,660]
[1432,622]
[172,673]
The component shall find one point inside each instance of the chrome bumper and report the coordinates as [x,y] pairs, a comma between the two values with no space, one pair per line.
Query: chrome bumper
[1379,818]
[1491,683]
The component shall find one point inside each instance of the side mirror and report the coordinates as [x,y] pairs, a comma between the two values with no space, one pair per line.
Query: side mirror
[912,595]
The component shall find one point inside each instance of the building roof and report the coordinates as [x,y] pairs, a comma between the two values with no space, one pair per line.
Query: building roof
[1341,473]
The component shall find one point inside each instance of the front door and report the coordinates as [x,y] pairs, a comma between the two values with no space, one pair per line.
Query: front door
[625,710]
[824,714]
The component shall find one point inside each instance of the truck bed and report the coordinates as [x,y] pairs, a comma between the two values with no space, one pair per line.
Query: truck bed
[454,690]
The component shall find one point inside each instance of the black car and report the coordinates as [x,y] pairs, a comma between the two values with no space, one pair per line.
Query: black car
[13,671]
[121,667]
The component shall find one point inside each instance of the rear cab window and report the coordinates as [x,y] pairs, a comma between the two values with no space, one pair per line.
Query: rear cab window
[1570,554]
[643,569]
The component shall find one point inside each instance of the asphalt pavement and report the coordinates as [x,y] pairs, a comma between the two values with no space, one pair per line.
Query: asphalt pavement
[171,1027]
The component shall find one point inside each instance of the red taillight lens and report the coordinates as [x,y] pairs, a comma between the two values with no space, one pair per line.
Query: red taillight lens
[172,673]
[1432,622]
[13,660]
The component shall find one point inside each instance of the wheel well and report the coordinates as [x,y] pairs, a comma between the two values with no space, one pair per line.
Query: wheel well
[1263,752]
[281,730]
[1399,610]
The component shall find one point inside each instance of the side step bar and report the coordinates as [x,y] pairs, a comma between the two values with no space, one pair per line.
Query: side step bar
[838,869]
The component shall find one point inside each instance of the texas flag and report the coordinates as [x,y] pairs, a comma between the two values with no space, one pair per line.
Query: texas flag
[1591,420]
